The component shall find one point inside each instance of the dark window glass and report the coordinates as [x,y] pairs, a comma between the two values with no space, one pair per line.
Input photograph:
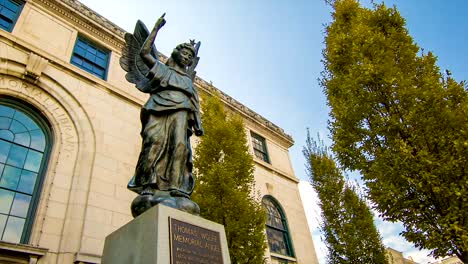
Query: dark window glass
[9,12]
[23,145]
[90,57]
[276,229]
[259,147]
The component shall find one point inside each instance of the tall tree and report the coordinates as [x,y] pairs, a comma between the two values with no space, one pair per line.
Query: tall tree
[401,123]
[348,226]
[225,188]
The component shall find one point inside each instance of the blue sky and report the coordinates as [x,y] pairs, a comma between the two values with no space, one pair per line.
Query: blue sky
[267,55]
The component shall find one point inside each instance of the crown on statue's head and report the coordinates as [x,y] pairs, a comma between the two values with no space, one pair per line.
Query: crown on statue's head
[192,42]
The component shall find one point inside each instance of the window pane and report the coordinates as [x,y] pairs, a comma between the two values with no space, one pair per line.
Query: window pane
[23,139]
[6,199]
[38,140]
[3,219]
[77,61]
[102,55]
[80,51]
[5,122]
[87,66]
[26,121]
[8,13]
[14,229]
[6,111]
[4,150]
[10,177]
[27,182]
[11,5]
[90,58]
[33,161]
[277,233]
[82,44]
[17,127]
[20,161]
[20,205]
[98,72]
[259,147]
[17,156]
[4,25]
[276,241]
[7,135]
[102,63]
[91,50]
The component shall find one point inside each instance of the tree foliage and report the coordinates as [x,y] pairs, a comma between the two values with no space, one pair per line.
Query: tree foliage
[401,123]
[348,226]
[225,183]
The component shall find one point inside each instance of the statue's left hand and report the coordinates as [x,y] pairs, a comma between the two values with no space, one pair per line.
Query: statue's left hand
[161,22]
[199,132]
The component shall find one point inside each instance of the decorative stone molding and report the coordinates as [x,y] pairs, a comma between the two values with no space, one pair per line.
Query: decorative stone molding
[19,253]
[84,258]
[34,67]
[87,19]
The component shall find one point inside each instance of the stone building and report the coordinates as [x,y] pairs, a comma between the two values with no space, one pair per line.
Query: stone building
[449,260]
[69,140]
[396,257]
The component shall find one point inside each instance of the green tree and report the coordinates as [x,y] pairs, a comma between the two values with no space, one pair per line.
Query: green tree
[348,225]
[225,183]
[401,123]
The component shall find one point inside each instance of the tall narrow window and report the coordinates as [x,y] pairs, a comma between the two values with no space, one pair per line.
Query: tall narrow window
[90,57]
[259,147]
[277,228]
[24,146]
[9,12]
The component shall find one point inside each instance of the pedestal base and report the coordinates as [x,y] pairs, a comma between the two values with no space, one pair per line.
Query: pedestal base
[163,235]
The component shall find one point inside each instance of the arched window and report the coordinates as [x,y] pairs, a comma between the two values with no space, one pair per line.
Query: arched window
[24,146]
[277,228]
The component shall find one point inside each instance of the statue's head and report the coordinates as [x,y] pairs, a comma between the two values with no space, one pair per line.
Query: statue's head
[183,54]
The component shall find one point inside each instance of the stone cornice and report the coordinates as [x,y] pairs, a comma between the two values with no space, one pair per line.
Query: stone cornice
[87,19]
[111,34]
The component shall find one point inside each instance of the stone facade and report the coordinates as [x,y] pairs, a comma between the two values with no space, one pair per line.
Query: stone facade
[449,260]
[95,129]
[396,257]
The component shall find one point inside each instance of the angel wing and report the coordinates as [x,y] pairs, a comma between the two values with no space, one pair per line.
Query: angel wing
[131,61]
[191,70]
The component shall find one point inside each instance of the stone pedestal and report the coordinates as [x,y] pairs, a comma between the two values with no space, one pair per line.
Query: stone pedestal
[163,235]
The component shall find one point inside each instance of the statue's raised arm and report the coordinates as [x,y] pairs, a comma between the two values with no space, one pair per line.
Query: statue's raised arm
[148,51]
[137,44]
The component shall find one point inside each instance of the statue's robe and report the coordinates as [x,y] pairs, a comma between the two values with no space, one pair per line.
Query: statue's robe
[167,118]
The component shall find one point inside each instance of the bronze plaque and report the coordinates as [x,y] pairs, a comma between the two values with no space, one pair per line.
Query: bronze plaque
[191,244]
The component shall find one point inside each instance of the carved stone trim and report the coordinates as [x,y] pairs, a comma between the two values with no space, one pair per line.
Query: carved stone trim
[85,258]
[19,253]
[87,19]
[34,67]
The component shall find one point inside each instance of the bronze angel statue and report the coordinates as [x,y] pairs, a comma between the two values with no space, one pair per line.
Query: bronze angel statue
[170,116]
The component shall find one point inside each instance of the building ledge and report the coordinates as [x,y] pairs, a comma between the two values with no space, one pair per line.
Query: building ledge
[85,258]
[20,253]
[274,170]
[283,257]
